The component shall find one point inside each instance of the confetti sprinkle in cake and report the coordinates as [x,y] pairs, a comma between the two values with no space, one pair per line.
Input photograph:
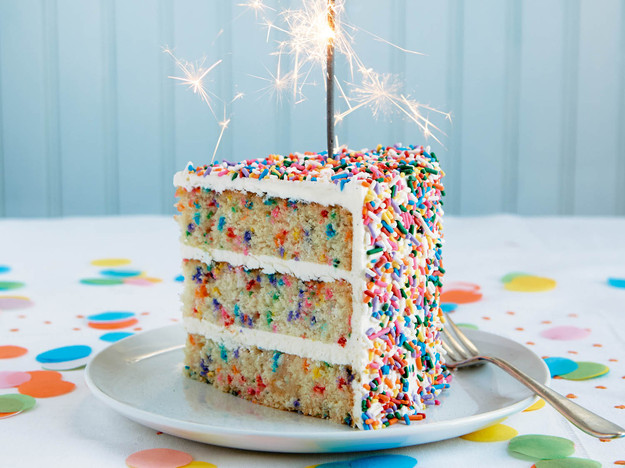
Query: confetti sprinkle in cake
[312,283]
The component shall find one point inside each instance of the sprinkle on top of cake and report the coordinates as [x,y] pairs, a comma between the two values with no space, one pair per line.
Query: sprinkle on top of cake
[380,164]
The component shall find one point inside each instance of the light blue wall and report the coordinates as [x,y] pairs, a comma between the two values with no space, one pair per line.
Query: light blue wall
[90,124]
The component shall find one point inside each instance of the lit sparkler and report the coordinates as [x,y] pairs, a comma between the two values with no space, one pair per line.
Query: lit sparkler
[194,76]
[309,31]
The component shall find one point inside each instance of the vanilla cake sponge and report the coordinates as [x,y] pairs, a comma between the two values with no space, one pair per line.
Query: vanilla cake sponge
[312,283]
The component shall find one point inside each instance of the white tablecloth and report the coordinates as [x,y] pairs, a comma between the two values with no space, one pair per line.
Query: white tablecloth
[51,257]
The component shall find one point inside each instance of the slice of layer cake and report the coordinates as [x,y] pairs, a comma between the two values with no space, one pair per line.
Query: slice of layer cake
[312,284]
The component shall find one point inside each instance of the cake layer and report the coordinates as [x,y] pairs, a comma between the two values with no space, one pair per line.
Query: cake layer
[233,296]
[274,379]
[249,223]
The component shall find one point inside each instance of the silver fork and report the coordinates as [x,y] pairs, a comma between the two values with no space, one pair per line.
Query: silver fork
[461,352]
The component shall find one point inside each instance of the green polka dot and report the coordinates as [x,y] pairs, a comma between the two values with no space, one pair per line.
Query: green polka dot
[102,281]
[568,463]
[13,402]
[510,276]
[586,370]
[467,325]
[7,285]
[540,447]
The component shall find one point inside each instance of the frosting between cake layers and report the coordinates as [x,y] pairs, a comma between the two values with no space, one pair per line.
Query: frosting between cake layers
[234,337]
[269,264]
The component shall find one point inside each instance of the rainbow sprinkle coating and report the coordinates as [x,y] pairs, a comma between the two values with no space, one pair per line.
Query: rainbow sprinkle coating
[401,213]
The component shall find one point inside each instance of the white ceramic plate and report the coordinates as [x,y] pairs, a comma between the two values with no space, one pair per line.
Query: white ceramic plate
[144,383]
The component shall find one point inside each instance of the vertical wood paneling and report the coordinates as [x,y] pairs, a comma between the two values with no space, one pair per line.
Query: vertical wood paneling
[569,80]
[196,31]
[482,187]
[620,137]
[426,75]
[109,117]
[3,172]
[138,90]
[255,118]
[541,104]
[167,123]
[455,80]
[512,81]
[536,90]
[23,118]
[599,82]
[365,130]
[86,173]
[53,138]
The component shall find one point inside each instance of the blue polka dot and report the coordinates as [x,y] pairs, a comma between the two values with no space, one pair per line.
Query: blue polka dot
[4,269]
[449,306]
[560,366]
[110,316]
[121,273]
[377,461]
[617,282]
[179,278]
[66,353]
[115,336]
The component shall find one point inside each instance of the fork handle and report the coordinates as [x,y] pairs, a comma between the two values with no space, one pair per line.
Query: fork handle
[585,420]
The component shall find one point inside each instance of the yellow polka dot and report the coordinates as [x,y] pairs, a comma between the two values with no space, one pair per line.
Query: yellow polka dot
[110,262]
[199,464]
[530,284]
[496,433]
[536,406]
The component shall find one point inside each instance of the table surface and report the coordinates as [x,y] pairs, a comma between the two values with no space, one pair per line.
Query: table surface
[50,257]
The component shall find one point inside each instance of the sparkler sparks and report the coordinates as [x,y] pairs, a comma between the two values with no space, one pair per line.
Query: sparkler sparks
[195,77]
[307,33]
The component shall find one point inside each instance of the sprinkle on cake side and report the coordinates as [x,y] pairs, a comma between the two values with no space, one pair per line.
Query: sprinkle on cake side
[394,195]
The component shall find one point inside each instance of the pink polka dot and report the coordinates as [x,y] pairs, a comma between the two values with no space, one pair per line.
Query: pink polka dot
[9,379]
[565,333]
[158,458]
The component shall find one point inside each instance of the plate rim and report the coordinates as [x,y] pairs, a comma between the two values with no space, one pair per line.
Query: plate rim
[131,412]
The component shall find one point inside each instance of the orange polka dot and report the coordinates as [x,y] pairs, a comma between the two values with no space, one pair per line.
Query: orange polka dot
[137,329]
[114,325]
[21,316]
[619,462]
[520,329]
[145,313]
[47,322]
[620,406]
[14,329]
[8,352]
[80,316]
[45,384]
[76,329]
[573,315]
[613,360]
[601,387]
[605,440]
[546,322]
[572,352]
[460,296]
[486,318]
[571,396]
[510,313]
[530,343]
[597,345]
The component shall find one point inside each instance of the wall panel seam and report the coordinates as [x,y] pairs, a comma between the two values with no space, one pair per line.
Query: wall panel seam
[620,129]
[53,162]
[510,187]
[3,194]
[455,83]
[570,83]
[166,106]
[110,121]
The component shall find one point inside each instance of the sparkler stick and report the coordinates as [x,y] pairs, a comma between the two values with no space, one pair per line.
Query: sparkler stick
[330,77]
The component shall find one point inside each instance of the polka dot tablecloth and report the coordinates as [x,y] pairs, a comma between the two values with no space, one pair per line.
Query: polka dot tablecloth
[70,287]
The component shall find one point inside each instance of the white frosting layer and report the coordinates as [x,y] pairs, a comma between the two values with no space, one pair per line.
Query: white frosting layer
[234,337]
[268,264]
[351,196]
